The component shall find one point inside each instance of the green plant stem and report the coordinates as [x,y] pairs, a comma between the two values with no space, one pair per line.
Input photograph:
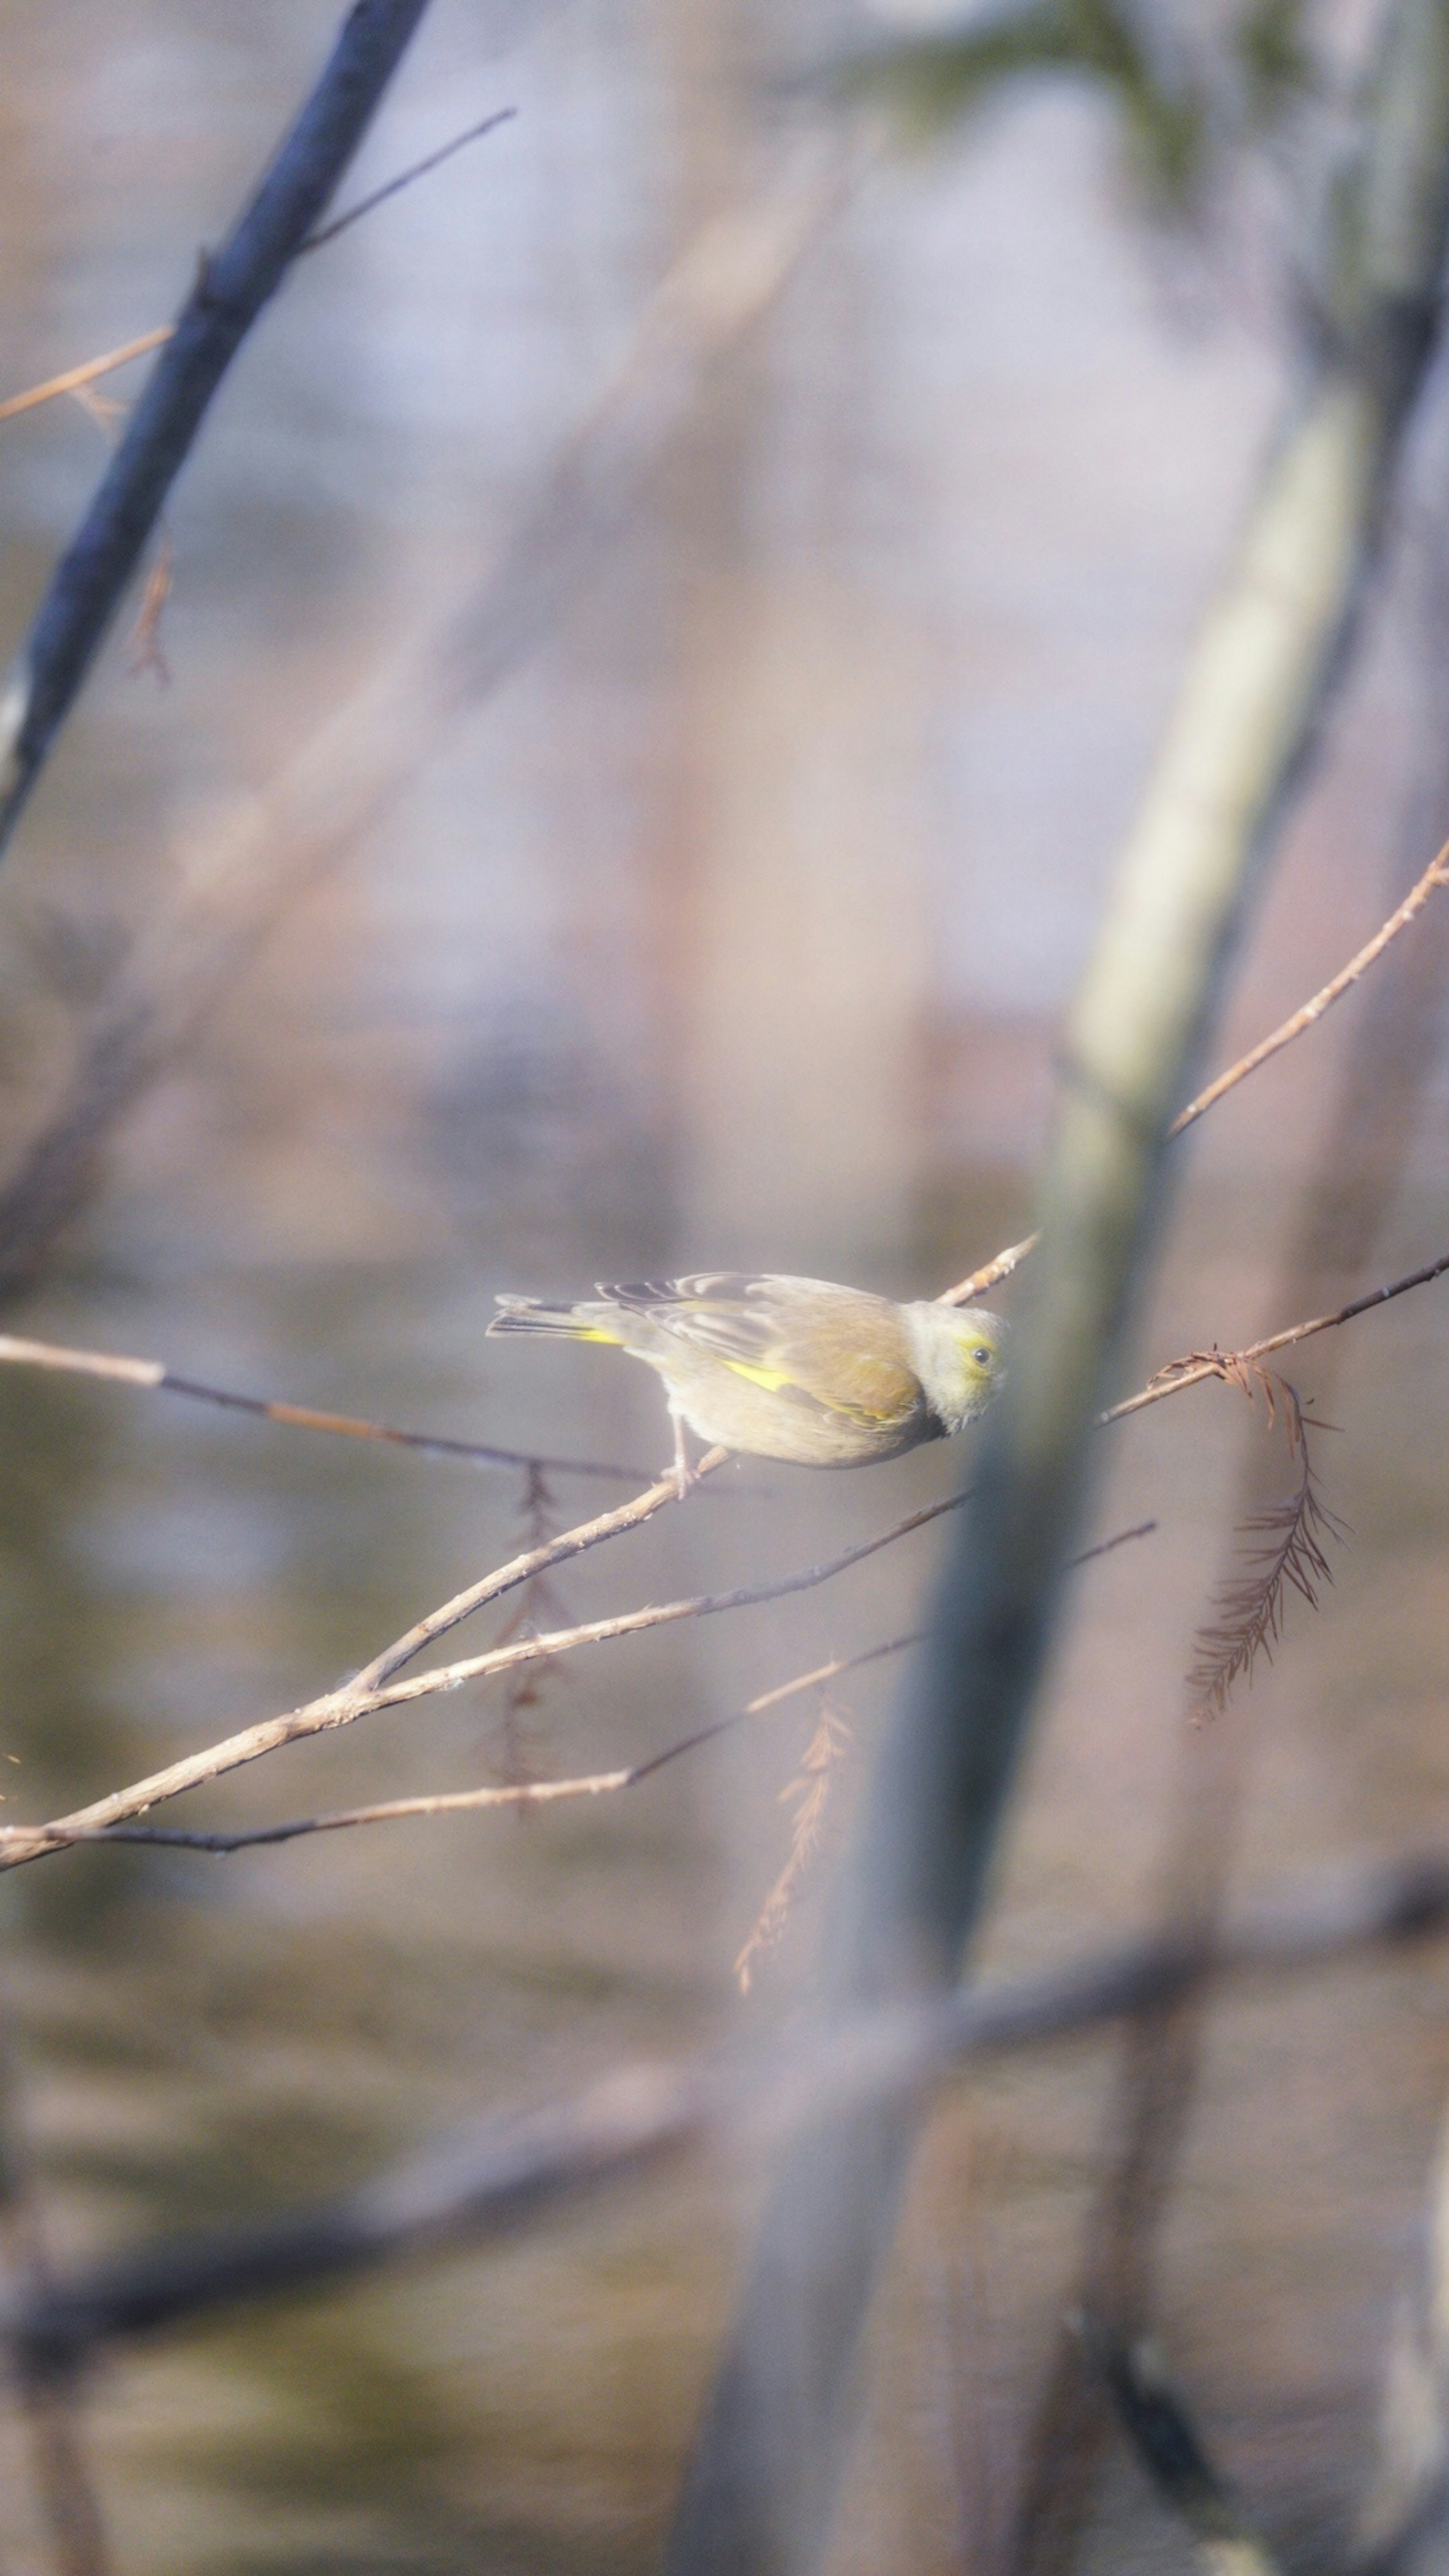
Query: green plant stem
[759,2493]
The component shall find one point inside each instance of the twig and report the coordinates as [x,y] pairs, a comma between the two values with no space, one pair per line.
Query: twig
[393,187]
[371,1689]
[274,843]
[538,1599]
[1437,874]
[502,2174]
[989,1275]
[536,1793]
[144,649]
[155,1374]
[230,291]
[75,379]
[1194,1366]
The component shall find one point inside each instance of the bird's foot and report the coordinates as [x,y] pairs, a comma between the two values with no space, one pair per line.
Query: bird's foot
[685,1477]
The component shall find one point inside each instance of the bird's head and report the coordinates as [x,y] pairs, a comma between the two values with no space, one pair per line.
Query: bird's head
[960,1356]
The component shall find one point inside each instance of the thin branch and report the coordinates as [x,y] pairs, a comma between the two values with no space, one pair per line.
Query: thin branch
[404,179]
[370,1690]
[1194,1366]
[539,1793]
[276,842]
[506,2172]
[809,1793]
[155,1374]
[75,379]
[991,1273]
[233,286]
[1437,874]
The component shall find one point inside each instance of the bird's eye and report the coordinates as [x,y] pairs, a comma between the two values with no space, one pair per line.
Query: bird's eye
[981,1355]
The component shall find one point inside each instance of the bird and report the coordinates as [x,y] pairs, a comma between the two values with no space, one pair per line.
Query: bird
[803,1370]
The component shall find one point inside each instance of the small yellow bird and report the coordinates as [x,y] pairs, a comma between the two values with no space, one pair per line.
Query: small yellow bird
[799,1369]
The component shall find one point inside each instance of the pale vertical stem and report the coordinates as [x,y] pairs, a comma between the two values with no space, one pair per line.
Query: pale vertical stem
[1405,2513]
[759,2492]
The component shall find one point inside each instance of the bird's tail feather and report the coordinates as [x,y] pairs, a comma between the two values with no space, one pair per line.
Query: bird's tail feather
[534,1315]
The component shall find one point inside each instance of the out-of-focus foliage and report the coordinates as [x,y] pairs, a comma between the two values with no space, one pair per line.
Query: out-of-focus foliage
[1188,92]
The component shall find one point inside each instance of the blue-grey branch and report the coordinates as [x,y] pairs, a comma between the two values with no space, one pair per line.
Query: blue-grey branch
[232,285]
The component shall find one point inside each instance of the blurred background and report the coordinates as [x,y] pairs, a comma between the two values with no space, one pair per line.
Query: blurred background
[734,927]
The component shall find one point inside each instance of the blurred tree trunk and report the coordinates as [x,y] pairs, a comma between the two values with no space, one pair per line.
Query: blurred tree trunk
[760,2490]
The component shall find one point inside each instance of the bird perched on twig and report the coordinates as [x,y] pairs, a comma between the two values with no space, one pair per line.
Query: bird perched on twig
[799,1369]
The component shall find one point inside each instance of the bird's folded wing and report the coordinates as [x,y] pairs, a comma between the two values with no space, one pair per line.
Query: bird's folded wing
[837,1347]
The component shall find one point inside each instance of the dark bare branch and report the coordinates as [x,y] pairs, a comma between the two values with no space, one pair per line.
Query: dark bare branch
[17,1352]
[232,286]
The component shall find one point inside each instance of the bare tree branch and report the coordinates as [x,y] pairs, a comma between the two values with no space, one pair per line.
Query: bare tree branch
[373,1688]
[277,842]
[1194,1366]
[1436,874]
[75,380]
[231,289]
[540,1793]
[17,1352]
[405,178]
[505,2174]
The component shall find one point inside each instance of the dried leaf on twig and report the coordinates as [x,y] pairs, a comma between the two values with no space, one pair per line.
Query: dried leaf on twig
[809,1793]
[1289,1544]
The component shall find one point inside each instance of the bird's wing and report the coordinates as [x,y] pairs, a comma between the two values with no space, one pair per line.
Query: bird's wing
[839,1347]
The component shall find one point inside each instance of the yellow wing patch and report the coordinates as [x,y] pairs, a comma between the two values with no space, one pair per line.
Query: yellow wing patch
[771,1379]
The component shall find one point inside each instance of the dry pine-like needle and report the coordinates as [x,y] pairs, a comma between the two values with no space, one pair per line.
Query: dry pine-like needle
[1288,1550]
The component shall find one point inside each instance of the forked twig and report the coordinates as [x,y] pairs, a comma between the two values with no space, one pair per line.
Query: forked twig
[1194,1366]
[989,1275]
[85,1828]
[75,379]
